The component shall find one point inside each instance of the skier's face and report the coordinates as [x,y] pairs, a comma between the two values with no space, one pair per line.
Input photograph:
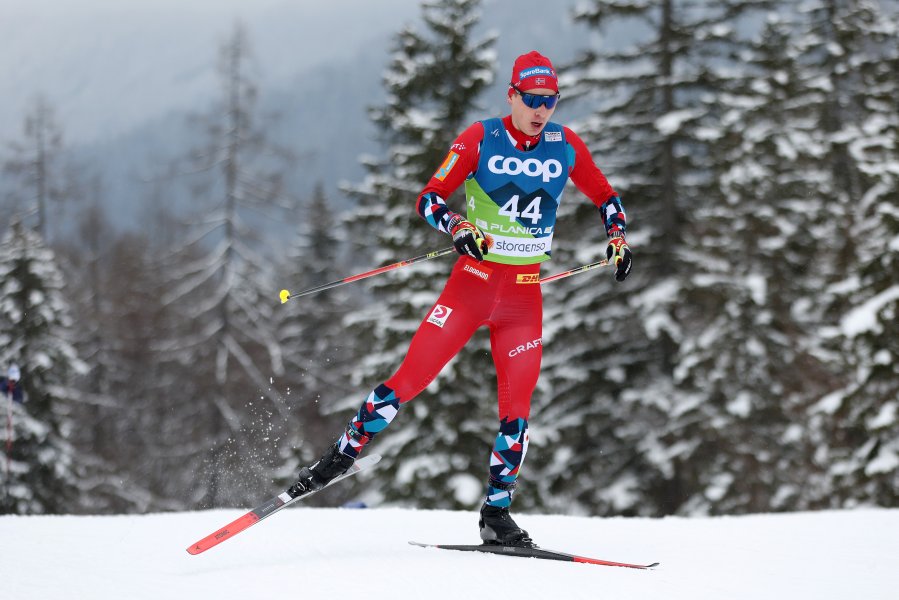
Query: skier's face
[531,121]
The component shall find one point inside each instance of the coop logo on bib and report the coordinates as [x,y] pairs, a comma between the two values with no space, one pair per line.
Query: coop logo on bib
[532,167]
[439,315]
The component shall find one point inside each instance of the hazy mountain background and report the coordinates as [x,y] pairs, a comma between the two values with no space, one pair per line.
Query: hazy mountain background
[124,79]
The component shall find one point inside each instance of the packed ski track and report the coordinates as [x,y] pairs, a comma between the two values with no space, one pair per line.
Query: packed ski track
[318,553]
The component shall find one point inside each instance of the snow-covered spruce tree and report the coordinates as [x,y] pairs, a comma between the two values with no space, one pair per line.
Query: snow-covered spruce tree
[765,256]
[318,354]
[36,334]
[790,143]
[653,131]
[857,426]
[225,353]
[441,441]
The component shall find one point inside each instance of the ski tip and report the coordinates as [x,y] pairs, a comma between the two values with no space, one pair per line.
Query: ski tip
[369,460]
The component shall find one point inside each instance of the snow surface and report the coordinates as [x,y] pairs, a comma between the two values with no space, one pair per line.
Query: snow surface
[363,553]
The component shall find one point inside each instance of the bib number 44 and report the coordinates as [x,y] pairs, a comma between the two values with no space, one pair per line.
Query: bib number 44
[531,211]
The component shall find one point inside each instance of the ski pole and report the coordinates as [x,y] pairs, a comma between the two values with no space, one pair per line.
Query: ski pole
[9,438]
[286,295]
[575,271]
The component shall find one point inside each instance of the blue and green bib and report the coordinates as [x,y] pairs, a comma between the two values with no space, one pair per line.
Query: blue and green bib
[514,195]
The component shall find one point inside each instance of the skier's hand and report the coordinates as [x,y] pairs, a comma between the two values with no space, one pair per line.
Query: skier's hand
[469,240]
[619,255]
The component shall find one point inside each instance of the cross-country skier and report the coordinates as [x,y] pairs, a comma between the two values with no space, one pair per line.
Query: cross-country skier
[514,170]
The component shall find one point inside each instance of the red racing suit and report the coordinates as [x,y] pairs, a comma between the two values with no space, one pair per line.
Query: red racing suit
[506,299]
[512,192]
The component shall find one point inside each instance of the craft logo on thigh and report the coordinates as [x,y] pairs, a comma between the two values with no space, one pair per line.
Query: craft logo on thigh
[439,315]
[532,345]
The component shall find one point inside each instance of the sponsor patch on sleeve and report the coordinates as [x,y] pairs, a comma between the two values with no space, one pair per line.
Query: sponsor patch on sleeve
[447,166]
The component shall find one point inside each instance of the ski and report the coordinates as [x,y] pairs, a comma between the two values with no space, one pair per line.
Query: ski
[267,509]
[533,552]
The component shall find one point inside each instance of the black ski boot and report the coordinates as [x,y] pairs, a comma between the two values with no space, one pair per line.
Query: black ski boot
[498,528]
[316,476]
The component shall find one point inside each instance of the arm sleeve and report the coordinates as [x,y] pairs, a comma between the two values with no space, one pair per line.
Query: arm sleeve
[461,161]
[589,179]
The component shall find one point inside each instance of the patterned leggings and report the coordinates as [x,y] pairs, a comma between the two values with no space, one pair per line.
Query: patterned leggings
[505,298]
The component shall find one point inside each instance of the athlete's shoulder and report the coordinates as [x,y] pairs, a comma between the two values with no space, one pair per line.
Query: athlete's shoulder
[570,135]
[475,129]
[469,138]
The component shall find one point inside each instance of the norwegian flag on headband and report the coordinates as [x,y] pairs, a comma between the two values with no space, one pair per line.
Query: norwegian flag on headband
[533,70]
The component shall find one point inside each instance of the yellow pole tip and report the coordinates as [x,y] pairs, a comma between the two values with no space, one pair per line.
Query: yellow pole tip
[285,296]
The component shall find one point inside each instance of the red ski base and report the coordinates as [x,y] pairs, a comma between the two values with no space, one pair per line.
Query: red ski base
[270,507]
[533,552]
[231,529]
